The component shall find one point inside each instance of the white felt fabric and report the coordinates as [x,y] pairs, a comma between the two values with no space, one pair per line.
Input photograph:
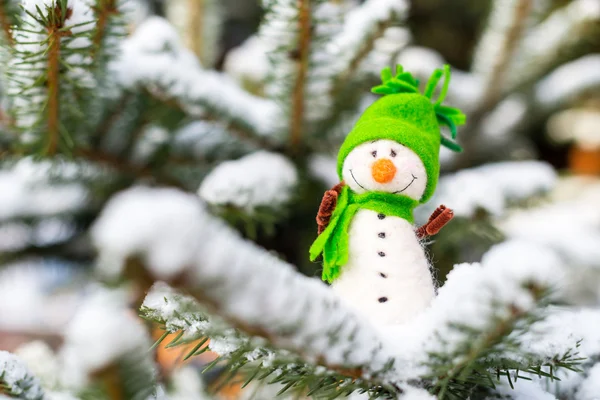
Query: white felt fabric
[410,179]
[406,282]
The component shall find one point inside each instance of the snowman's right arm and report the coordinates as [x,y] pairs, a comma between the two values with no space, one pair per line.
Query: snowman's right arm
[327,206]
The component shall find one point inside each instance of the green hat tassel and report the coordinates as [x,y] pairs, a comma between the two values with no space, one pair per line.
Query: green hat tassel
[404,82]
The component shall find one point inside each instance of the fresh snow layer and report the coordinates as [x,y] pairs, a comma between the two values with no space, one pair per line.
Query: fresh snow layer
[568,81]
[102,330]
[163,225]
[155,58]
[232,273]
[259,179]
[17,378]
[25,190]
[490,187]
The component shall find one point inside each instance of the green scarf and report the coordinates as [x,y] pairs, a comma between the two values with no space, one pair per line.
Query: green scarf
[333,242]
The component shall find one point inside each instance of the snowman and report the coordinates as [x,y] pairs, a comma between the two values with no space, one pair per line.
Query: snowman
[388,164]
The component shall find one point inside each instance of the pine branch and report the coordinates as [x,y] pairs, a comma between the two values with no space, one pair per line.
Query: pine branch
[16,380]
[301,54]
[5,21]
[494,81]
[494,72]
[195,25]
[105,9]
[297,313]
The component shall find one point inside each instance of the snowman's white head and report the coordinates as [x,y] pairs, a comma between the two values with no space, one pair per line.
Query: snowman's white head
[385,166]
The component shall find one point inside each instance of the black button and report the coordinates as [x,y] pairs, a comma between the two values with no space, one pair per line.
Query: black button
[381,254]
[381,216]
[382,275]
[382,299]
[381,235]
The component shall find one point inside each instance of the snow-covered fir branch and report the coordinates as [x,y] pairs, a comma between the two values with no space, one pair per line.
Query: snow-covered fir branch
[153,58]
[16,380]
[261,179]
[558,37]
[199,23]
[492,187]
[298,313]
[499,300]
[495,49]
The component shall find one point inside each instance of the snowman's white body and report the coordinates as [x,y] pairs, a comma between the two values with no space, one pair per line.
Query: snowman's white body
[387,276]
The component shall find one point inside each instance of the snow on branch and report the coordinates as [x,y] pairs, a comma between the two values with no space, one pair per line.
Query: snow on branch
[16,380]
[480,315]
[567,82]
[557,36]
[104,332]
[491,187]
[248,286]
[261,179]
[52,43]
[154,58]
[495,50]
[26,190]
[570,226]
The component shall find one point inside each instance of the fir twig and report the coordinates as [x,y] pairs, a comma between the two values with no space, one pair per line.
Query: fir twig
[104,10]
[5,22]
[56,22]
[195,27]
[302,55]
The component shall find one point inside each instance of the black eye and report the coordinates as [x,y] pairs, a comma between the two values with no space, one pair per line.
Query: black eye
[393,153]
[374,153]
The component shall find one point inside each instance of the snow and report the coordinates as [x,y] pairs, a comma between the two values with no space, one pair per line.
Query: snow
[557,33]
[504,118]
[31,299]
[248,63]
[524,390]
[231,273]
[41,361]
[570,225]
[102,330]
[17,378]
[153,57]
[179,312]
[590,387]
[492,44]
[261,179]
[490,187]
[414,393]
[186,384]
[474,295]
[323,167]
[163,225]
[579,125]
[568,81]
[25,190]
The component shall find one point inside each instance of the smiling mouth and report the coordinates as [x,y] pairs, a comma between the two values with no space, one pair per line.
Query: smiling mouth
[407,186]
[396,192]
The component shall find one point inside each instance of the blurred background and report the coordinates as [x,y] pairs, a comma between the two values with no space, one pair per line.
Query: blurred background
[225,99]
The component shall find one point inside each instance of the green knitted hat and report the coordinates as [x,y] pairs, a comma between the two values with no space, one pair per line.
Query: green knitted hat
[410,118]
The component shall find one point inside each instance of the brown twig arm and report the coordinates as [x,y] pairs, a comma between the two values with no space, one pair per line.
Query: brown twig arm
[5,22]
[438,219]
[327,207]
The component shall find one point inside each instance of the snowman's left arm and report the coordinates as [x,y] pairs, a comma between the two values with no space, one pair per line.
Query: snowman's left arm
[440,217]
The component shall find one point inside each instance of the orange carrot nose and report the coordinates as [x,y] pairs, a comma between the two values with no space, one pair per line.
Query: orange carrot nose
[383,170]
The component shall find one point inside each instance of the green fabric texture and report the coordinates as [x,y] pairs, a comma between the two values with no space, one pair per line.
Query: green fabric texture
[405,118]
[408,117]
[333,243]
